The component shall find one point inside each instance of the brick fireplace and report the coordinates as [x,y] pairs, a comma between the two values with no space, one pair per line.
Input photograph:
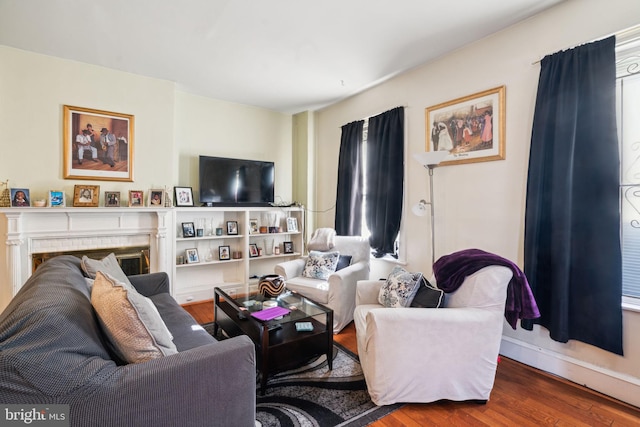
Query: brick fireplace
[33,235]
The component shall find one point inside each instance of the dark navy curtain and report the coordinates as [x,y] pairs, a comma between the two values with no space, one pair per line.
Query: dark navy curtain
[348,221]
[572,240]
[385,178]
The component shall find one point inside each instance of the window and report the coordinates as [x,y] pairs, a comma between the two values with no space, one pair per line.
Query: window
[628,111]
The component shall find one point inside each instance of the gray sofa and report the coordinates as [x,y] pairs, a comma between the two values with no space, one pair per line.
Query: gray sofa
[53,351]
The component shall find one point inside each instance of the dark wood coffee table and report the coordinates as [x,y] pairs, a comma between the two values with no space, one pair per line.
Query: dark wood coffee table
[279,346]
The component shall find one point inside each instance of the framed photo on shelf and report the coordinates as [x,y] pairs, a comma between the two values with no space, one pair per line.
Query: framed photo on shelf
[57,199]
[191,255]
[156,198]
[253,250]
[112,199]
[292,225]
[97,145]
[188,229]
[471,129]
[287,247]
[86,195]
[232,227]
[253,226]
[224,252]
[20,197]
[183,196]
[136,198]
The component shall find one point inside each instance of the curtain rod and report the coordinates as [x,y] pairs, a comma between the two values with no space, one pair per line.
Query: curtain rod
[375,114]
[622,37]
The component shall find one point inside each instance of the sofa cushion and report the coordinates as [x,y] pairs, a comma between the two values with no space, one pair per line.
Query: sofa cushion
[108,264]
[427,296]
[130,321]
[187,333]
[400,288]
[320,265]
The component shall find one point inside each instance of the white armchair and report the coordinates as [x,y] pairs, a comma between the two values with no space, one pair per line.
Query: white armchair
[339,291]
[428,354]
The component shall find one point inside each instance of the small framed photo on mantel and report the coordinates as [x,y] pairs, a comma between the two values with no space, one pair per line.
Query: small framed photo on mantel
[86,195]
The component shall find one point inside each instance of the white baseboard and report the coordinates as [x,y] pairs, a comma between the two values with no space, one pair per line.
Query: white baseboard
[619,386]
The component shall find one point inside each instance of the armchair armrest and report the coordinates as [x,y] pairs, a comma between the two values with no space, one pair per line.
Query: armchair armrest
[150,284]
[439,335]
[290,269]
[212,385]
[367,291]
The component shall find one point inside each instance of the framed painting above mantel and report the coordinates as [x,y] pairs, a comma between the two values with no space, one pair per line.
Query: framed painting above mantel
[471,128]
[97,145]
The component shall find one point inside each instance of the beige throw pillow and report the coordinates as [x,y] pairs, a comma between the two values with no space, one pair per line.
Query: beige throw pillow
[130,320]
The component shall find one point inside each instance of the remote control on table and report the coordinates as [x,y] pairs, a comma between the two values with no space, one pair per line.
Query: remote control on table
[304,326]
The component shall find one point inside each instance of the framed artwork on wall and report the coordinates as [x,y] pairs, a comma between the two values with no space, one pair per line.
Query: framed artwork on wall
[86,195]
[97,145]
[471,128]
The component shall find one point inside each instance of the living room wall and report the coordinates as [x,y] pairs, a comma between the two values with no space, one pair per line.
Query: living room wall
[171,127]
[481,205]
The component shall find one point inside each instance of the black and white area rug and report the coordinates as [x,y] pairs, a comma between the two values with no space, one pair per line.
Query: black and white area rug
[314,396]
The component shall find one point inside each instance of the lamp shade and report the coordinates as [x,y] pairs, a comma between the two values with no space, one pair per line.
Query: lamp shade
[430,158]
[420,208]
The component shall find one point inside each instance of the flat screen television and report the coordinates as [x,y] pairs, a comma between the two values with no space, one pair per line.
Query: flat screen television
[236,182]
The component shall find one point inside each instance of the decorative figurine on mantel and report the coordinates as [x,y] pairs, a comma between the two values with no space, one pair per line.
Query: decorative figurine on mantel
[5,195]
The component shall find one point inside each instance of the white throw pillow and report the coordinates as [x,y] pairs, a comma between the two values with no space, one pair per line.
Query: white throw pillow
[320,265]
[131,321]
[400,288]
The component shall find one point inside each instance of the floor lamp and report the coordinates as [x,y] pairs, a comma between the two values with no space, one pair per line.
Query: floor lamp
[429,159]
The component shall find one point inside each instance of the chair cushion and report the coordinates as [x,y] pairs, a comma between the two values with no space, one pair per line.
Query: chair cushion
[427,296]
[317,290]
[320,265]
[400,288]
[130,320]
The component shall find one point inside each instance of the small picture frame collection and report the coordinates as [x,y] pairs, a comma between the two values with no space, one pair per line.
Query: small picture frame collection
[287,247]
[86,195]
[224,253]
[191,256]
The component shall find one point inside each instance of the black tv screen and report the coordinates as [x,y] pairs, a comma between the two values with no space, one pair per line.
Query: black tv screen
[231,182]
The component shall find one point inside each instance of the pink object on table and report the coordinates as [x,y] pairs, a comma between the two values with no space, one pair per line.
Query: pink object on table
[270,313]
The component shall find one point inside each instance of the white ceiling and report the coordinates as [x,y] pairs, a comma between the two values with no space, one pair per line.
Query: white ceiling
[284,55]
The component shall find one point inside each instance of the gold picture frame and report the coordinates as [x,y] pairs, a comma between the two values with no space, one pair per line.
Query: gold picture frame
[471,128]
[86,196]
[97,144]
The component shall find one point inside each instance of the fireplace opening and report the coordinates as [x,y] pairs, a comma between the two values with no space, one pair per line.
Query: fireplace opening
[133,260]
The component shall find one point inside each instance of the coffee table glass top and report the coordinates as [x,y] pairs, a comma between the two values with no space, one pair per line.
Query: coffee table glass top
[299,306]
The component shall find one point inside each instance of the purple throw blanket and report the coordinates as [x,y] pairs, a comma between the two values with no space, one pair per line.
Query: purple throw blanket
[451,270]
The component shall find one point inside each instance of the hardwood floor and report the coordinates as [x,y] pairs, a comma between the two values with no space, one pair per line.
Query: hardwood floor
[521,396]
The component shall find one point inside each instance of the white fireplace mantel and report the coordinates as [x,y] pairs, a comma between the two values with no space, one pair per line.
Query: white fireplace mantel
[31,230]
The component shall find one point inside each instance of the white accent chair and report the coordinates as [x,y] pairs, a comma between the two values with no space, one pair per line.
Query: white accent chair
[423,355]
[339,291]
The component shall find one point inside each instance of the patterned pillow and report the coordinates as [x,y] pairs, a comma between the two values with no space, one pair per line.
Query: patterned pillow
[320,265]
[400,288]
[428,296]
[130,320]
